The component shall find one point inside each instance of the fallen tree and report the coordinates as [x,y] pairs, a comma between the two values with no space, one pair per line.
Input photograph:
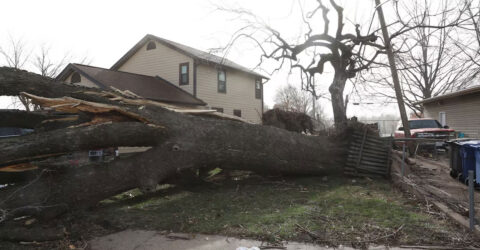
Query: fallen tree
[181,141]
[289,120]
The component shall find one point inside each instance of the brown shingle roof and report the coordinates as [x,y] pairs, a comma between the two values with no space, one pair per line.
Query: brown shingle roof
[187,50]
[149,87]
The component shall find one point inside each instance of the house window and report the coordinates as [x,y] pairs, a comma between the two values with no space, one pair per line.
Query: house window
[258,88]
[151,45]
[442,118]
[75,78]
[237,112]
[222,81]
[183,74]
[218,109]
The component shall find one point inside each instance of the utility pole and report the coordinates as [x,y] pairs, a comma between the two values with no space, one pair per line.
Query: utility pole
[314,107]
[393,68]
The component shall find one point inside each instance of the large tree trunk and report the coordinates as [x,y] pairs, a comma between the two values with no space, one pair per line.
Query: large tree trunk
[180,143]
[338,103]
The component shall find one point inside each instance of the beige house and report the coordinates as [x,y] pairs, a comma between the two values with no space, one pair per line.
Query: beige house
[459,110]
[222,84]
[215,81]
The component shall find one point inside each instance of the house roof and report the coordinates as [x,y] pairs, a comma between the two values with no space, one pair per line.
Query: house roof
[149,87]
[189,51]
[475,89]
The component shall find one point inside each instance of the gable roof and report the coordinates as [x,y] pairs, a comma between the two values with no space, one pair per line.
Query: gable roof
[149,87]
[472,90]
[184,49]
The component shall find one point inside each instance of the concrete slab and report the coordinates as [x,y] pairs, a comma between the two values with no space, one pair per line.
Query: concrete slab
[152,240]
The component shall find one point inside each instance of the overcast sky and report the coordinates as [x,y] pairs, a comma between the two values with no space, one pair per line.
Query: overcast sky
[104,30]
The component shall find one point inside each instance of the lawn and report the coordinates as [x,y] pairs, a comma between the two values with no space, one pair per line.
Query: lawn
[328,211]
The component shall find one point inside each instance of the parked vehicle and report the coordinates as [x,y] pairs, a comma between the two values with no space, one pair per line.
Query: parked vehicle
[426,128]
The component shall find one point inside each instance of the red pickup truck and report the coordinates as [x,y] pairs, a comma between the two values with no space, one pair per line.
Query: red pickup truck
[426,128]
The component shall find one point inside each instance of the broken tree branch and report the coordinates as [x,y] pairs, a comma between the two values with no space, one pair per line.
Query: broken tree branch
[181,143]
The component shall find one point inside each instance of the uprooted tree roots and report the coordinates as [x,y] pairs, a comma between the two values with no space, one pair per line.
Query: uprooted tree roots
[182,139]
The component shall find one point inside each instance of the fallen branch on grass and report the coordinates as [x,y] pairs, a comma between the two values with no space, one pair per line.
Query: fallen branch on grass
[393,234]
[305,230]
[181,143]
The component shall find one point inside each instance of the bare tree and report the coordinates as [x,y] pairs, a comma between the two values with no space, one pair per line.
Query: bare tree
[429,64]
[290,98]
[345,53]
[15,53]
[45,65]
[469,45]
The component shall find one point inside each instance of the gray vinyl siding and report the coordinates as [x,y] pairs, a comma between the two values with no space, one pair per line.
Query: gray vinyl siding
[462,113]
[162,61]
[240,92]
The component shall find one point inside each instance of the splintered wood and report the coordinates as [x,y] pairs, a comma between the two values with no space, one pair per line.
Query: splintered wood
[200,111]
[102,112]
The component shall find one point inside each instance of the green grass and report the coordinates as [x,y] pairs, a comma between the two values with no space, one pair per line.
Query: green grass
[335,211]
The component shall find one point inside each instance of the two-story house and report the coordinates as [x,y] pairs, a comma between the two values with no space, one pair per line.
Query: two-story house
[216,81]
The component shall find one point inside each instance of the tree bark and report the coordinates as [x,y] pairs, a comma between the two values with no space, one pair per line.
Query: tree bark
[210,142]
[180,143]
[40,145]
[338,103]
[21,119]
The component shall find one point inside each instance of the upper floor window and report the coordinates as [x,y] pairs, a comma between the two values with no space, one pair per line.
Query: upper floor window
[75,78]
[237,112]
[151,45]
[183,74]
[222,81]
[258,88]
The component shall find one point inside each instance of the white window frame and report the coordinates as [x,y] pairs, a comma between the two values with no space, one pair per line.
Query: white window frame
[444,120]
[222,83]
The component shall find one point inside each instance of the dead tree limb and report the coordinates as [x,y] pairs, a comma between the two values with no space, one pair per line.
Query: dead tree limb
[21,118]
[180,141]
[40,145]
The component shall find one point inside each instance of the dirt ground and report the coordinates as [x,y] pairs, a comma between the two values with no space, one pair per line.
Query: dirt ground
[327,211]
[434,175]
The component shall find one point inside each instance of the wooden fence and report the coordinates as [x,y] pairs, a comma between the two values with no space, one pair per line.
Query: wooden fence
[369,155]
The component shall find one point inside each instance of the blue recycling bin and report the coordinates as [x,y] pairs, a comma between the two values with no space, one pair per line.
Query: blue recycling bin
[477,164]
[470,155]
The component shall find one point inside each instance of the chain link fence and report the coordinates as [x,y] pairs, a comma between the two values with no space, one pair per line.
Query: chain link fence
[386,127]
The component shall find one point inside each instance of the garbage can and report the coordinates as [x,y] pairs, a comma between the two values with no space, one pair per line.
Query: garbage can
[476,149]
[468,151]
[455,159]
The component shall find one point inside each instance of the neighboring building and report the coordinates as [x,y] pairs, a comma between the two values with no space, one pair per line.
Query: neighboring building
[459,110]
[162,70]
[222,84]
[149,87]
